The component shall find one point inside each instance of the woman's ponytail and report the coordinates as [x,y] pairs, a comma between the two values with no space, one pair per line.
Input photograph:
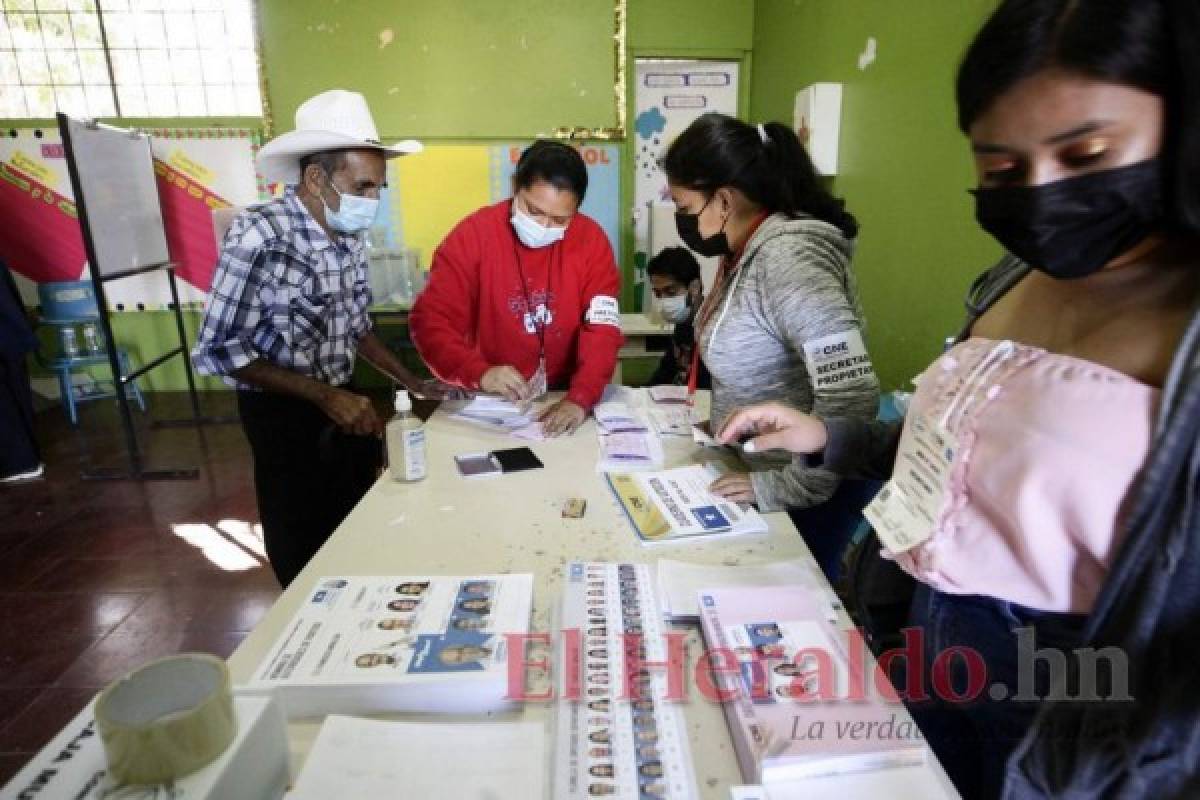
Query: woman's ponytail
[766,163]
[799,187]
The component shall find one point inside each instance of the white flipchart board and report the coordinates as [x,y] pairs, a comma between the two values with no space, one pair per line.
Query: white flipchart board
[115,171]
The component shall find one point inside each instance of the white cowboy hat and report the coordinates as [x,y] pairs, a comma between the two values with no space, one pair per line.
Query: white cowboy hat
[333,120]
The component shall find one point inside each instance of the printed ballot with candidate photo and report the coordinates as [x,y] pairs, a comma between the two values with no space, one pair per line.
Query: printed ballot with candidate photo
[619,732]
[675,504]
[795,706]
[363,645]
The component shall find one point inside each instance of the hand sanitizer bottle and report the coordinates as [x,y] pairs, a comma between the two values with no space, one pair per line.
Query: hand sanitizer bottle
[406,441]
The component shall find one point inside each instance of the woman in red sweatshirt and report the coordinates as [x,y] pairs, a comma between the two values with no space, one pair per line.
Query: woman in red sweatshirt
[523,294]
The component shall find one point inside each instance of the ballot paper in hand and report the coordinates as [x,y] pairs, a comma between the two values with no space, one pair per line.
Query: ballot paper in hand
[354,757]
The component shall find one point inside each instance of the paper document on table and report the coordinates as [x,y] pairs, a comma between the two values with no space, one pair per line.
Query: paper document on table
[625,734]
[702,435]
[669,394]
[625,447]
[676,504]
[620,452]
[792,662]
[492,405]
[679,581]
[354,757]
[534,432]
[494,413]
[375,644]
[618,418]
[674,421]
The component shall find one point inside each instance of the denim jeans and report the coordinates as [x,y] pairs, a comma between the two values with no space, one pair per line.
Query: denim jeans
[984,694]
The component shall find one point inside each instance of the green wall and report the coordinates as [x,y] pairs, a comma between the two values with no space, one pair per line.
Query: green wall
[458,69]
[691,24]
[904,167]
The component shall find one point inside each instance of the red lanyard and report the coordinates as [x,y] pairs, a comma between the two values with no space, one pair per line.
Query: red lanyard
[538,325]
[693,375]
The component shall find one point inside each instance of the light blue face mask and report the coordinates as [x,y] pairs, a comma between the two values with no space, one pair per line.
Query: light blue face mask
[354,214]
[532,233]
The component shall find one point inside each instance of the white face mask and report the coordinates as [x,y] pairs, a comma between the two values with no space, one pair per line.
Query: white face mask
[531,232]
[354,214]
[674,309]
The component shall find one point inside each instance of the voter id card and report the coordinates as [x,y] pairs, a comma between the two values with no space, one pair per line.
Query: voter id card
[907,510]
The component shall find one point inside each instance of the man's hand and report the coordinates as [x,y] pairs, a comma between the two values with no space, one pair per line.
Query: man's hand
[505,380]
[775,427]
[353,413]
[430,389]
[734,486]
[562,417]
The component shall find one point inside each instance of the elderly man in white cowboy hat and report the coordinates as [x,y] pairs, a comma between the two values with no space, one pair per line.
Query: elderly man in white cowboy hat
[286,316]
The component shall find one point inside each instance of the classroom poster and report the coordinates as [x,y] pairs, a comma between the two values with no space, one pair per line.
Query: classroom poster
[40,239]
[197,170]
[669,95]
[602,201]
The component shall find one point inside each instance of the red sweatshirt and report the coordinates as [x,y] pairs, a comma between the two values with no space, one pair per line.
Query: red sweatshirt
[473,314]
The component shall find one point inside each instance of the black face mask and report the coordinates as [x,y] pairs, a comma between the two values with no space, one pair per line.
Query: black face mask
[1073,227]
[688,226]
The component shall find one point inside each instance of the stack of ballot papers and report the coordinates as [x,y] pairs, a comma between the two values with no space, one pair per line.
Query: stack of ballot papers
[626,452]
[672,420]
[676,505]
[363,758]
[668,394]
[498,414]
[618,417]
[374,644]
[619,732]
[794,708]
[679,582]
[626,441]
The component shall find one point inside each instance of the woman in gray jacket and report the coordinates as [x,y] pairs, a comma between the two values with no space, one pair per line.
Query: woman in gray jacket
[783,319]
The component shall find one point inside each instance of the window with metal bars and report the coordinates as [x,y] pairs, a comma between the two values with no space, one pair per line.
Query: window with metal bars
[128,58]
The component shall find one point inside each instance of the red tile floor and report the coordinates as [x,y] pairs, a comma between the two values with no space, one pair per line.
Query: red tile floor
[98,577]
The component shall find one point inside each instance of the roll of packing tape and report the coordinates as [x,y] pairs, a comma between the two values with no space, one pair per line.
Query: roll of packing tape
[166,719]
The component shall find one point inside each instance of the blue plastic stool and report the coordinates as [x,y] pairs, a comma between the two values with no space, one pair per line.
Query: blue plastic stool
[71,305]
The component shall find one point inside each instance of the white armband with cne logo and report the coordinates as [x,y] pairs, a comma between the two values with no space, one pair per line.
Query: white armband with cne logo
[837,359]
[603,311]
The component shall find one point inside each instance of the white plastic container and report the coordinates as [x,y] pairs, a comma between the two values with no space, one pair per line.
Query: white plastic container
[406,442]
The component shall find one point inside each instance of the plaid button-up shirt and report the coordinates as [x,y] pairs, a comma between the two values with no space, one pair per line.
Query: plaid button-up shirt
[287,294]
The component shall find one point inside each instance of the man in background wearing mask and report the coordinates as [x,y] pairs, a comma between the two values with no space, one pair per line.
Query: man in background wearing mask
[675,280]
[287,315]
[522,295]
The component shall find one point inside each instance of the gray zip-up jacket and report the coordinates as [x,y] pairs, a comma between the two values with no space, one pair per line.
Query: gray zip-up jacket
[790,308]
[1149,607]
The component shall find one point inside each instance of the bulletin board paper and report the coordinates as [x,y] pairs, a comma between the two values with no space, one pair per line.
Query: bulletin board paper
[196,170]
[669,95]
[602,201]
